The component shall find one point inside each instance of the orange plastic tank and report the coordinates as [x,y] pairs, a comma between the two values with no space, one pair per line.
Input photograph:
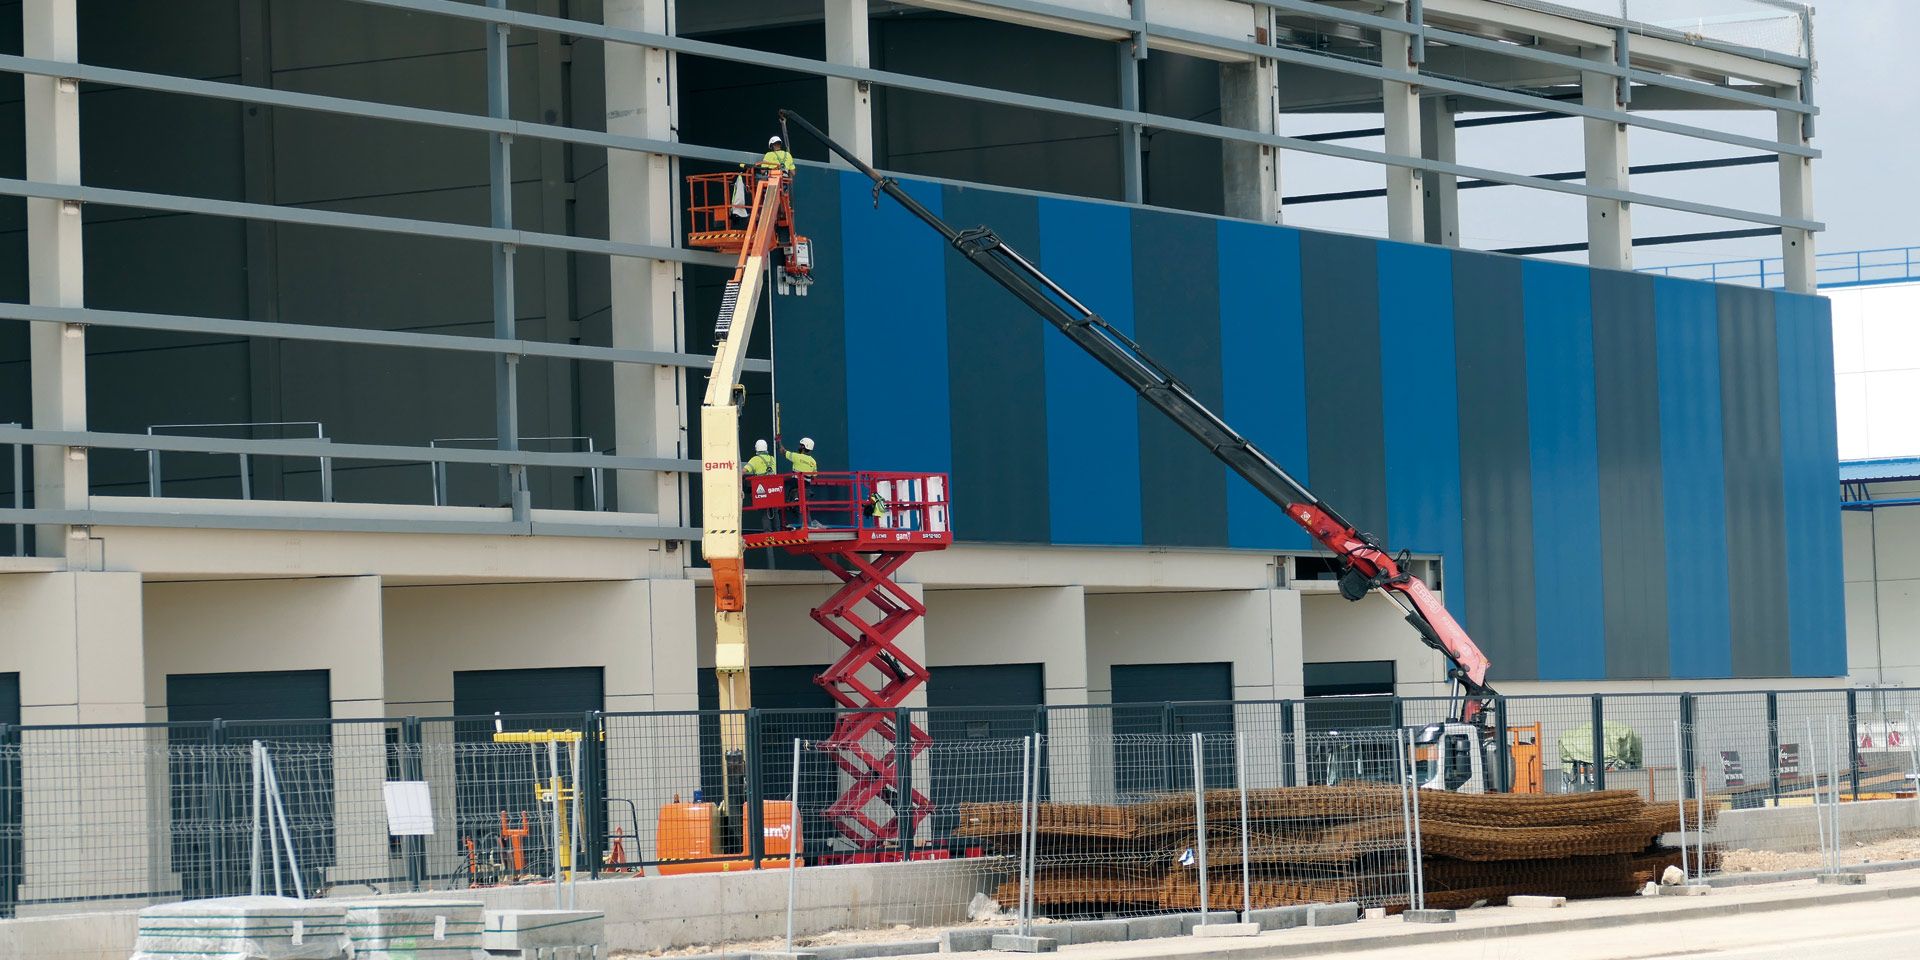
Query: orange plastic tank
[687,839]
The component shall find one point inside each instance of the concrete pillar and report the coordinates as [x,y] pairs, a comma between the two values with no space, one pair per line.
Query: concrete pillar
[1796,200]
[1442,196]
[1400,104]
[325,623]
[641,193]
[54,275]
[1609,222]
[849,102]
[95,798]
[1251,172]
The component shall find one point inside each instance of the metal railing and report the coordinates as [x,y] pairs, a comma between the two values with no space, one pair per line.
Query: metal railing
[155,485]
[596,478]
[1851,268]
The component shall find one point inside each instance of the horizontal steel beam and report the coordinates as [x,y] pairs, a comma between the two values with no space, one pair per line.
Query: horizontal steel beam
[963,91]
[159,517]
[367,109]
[1530,101]
[338,451]
[305,216]
[220,326]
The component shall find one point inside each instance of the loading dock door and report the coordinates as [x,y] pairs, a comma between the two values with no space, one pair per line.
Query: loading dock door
[975,715]
[287,710]
[1162,705]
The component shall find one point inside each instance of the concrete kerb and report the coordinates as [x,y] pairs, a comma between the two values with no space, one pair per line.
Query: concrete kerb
[1332,914]
[1806,873]
[1279,918]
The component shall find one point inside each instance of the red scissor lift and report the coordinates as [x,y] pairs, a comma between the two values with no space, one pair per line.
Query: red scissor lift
[862,527]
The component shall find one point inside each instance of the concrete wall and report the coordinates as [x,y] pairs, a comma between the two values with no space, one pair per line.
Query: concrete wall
[1258,631]
[1370,629]
[1044,625]
[1793,829]
[75,640]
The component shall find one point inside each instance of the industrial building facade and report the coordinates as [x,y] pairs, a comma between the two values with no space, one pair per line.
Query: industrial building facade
[353,341]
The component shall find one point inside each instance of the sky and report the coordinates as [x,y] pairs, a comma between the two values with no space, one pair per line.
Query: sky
[1865,186]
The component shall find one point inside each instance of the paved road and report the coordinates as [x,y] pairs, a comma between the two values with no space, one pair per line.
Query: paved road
[1885,930]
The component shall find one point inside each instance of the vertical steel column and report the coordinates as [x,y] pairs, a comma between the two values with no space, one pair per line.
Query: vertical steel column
[1796,180]
[55,270]
[849,102]
[1400,109]
[1438,141]
[1609,222]
[1133,176]
[1599,770]
[506,367]
[1773,746]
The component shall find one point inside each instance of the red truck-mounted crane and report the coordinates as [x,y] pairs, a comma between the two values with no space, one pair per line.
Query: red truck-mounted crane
[1365,564]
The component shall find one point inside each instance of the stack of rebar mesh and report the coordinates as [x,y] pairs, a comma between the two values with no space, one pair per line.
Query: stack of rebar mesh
[1327,844]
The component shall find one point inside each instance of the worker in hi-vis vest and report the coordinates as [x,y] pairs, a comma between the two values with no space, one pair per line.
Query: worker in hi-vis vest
[777,157]
[761,462]
[802,460]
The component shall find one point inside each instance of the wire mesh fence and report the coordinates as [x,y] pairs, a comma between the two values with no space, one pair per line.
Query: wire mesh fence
[1126,801]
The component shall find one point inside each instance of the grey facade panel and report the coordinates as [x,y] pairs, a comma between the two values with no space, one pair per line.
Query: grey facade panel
[1633,568]
[1346,433]
[1756,484]
[1496,480]
[1176,316]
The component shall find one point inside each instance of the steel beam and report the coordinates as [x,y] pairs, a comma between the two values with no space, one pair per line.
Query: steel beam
[221,326]
[86,439]
[849,102]
[506,366]
[1442,194]
[1400,106]
[346,524]
[1609,220]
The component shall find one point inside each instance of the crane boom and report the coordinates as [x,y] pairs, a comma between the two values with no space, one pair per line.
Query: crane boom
[1365,563]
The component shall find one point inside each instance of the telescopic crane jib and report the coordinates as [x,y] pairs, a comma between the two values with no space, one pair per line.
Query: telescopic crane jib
[1365,564]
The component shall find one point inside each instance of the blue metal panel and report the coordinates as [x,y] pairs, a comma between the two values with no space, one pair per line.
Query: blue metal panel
[1263,362]
[1756,501]
[1423,443]
[896,303]
[810,332]
[1809,455]
[1563,446]
[1093,424]
[1693,487]
[1177,313]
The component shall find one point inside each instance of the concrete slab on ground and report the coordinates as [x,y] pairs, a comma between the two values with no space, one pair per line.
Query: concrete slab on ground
[1227,930]
[1015,943]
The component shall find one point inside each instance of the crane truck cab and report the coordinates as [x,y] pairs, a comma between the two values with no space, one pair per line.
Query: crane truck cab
[1452,756]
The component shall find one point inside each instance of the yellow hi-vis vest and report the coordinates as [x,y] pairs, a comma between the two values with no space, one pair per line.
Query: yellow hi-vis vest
[760,465]
[778,159]
[803,462]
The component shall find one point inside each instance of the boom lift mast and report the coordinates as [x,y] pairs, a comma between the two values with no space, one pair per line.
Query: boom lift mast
[717,204]
[1366,565]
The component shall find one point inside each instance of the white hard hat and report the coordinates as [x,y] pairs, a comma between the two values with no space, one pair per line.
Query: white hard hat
[759,446]
[773,140]
[806,443]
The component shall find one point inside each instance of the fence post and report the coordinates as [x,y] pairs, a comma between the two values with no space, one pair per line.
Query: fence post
[1773,745]
[794,840]
[1289,751]
[1853,743]
[413,848]
[1680,786]
[1503,749]
[10,820]
[1167,777]
[1419,846]
[756,828]
[217,812]
[1200,822]
[903,780]
[1246,829]
[1026,813]
[1685,754]
[590,793]
[1598,770]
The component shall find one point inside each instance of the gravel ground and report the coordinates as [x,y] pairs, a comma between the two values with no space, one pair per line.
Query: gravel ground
[1767,861]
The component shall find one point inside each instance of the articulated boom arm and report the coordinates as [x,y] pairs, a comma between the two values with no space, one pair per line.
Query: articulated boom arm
[1366,564]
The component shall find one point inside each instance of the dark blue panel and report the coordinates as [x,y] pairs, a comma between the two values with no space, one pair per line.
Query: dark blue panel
[1423,444]
[1496,477]
[1264,368]
[1693,488]
[1633,559]
[809,343]
[1810,460]
[1176,295]
[1565,455]
[1093,426]
[996,360]
[896,303]
[1346,433]
[1756,503]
